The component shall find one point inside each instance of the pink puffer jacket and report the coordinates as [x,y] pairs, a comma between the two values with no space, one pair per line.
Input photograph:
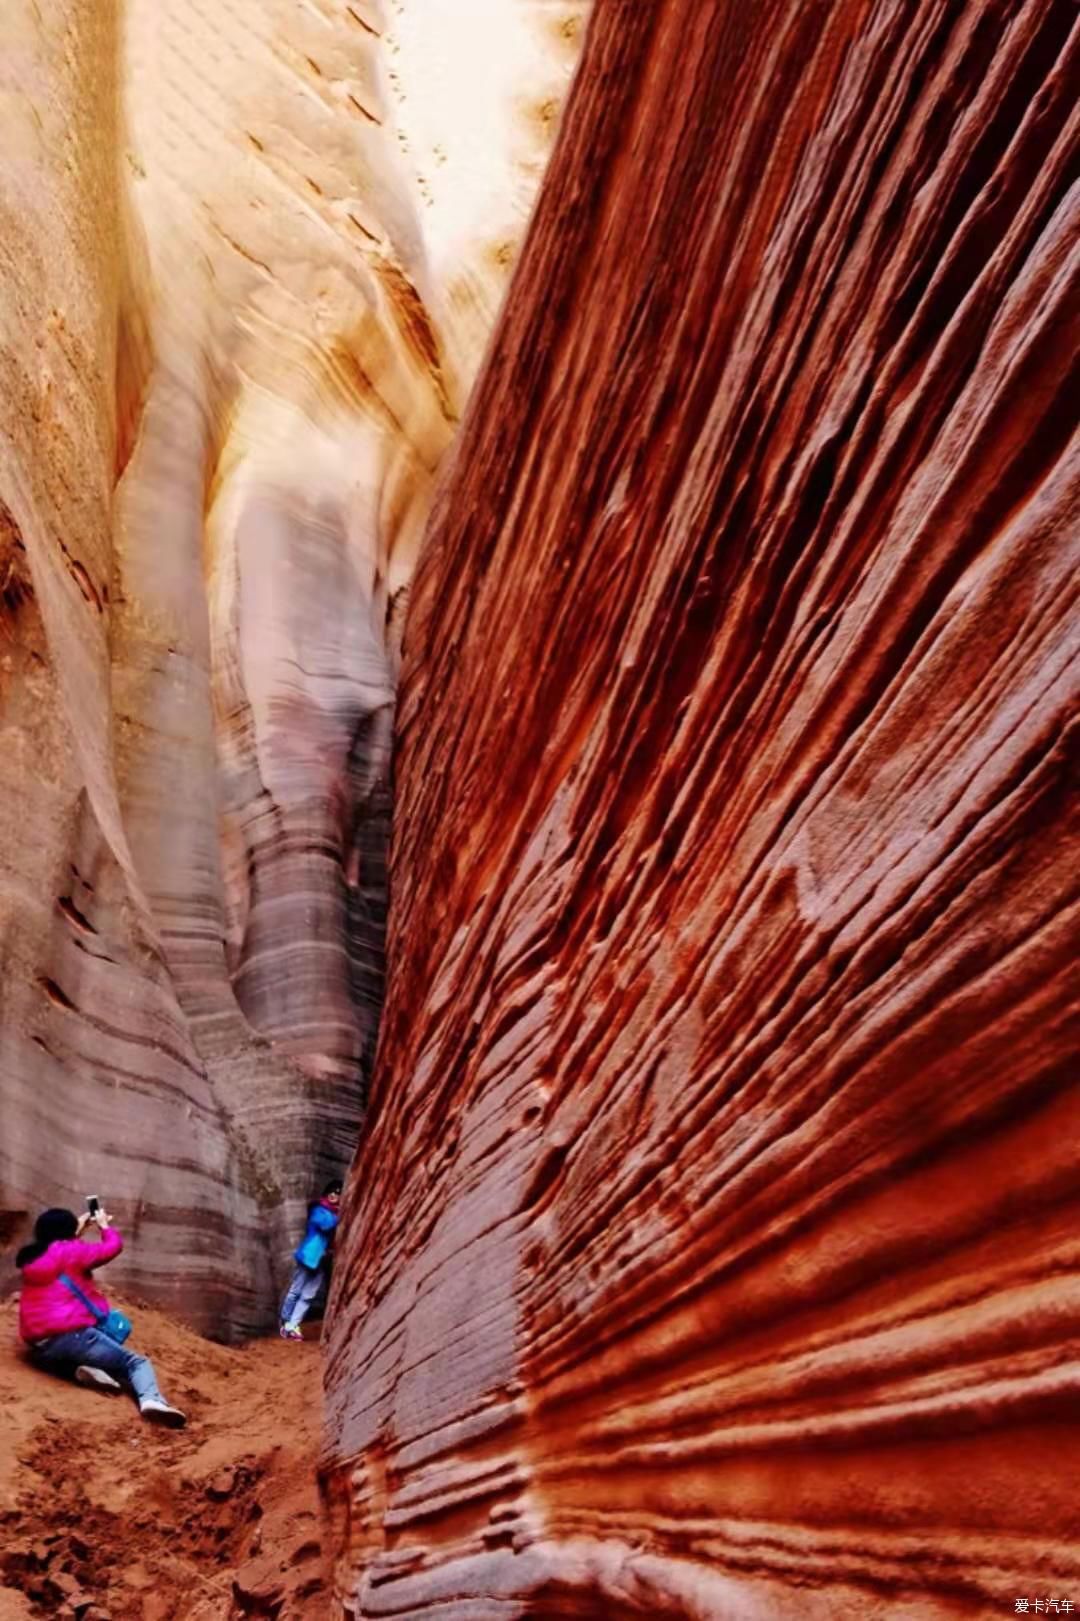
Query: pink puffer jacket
[47,1306]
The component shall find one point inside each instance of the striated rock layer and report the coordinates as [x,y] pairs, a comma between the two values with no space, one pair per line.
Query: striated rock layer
[249,254]
[713,1248]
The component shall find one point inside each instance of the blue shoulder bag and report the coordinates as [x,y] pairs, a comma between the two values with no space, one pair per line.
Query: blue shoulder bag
[112,1323]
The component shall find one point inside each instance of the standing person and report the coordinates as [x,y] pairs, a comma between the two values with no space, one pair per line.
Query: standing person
[61,1313]
[311,1259]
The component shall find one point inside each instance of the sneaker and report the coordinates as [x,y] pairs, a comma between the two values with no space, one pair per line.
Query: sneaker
[157,1411]
[98,1379]
[288,1332]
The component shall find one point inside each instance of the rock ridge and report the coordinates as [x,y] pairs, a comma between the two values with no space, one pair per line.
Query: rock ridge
[711,1249]
[251,254]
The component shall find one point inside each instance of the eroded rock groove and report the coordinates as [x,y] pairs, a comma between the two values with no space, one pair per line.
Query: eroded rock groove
[711,1249]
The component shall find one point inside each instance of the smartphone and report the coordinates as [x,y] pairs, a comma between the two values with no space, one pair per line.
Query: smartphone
[93,1203]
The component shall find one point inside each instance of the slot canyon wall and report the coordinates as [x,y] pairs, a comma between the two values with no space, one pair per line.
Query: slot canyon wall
[250,253]
[712,1249]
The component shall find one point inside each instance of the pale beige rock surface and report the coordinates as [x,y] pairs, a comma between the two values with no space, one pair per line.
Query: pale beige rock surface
[249,255]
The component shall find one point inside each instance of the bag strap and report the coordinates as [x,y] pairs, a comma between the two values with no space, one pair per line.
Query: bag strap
[96,1313]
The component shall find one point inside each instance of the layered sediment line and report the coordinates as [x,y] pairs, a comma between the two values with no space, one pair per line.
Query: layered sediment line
[712,1249]
[251,253]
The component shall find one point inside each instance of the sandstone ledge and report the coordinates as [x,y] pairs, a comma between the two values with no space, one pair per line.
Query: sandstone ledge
[712,1251]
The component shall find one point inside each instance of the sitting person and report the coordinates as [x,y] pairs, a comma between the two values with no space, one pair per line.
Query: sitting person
[61,1313]
[311,1259]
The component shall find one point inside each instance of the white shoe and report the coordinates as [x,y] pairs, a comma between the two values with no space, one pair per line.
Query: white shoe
[157,1411]
[98,1379]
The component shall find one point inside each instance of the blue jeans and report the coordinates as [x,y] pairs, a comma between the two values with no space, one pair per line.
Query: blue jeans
[89,1348]
[299,1295]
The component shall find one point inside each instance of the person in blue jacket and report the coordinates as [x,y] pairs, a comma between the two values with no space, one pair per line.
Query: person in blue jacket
[311,1258]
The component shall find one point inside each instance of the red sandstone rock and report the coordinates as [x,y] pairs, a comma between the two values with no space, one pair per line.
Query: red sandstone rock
[713,1249]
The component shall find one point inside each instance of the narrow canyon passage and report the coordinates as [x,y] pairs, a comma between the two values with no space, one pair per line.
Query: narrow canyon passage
[654,611]
[251,253]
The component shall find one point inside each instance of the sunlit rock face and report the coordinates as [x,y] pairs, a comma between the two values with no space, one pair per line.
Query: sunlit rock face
[712,1249]
[250,256]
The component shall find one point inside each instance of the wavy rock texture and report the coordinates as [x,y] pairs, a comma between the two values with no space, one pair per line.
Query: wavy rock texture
[713,1248]
[249,255]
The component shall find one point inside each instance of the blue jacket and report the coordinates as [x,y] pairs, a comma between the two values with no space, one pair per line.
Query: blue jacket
[316,1241]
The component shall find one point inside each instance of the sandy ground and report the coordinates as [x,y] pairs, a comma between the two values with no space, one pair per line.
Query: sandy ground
[102,1515]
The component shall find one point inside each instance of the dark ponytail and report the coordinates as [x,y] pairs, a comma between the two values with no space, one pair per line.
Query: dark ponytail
[51,1227]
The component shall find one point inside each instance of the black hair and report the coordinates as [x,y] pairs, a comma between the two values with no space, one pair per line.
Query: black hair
[51,1227]
[331,1187]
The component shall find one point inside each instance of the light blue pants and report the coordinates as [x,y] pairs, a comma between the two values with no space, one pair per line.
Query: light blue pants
[299,1295]
[89,1348]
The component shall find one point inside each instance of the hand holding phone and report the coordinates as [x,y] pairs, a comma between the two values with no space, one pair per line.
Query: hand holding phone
[93,1215]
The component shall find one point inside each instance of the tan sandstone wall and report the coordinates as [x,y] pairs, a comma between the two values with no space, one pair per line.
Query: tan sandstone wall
[712,1252]
[250,252]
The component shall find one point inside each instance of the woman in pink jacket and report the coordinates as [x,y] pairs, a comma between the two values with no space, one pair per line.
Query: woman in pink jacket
[60,1311]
